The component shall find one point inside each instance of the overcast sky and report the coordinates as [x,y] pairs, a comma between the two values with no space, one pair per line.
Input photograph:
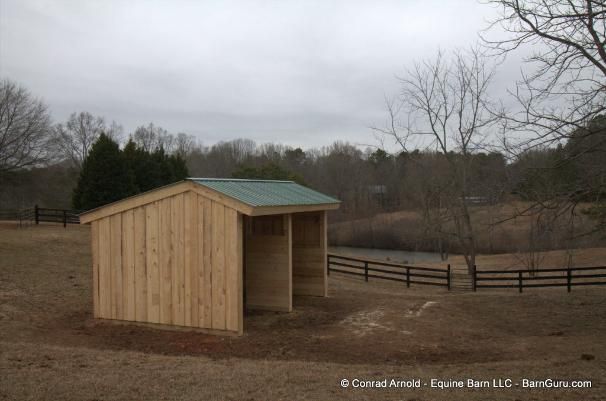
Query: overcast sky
[303,73]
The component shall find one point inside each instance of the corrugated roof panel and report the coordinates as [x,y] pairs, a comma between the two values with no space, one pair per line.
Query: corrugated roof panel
[266,192]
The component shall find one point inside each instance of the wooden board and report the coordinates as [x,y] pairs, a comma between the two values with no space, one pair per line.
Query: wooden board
[240,251]
[128,264]
[205,282]
[105,293]
[95,258]
[140,265]
[151,261]
[166,262]
[190,221]
[178,282]
[218,266]
[232,305]
[269,269]
[309,254]
[115,222]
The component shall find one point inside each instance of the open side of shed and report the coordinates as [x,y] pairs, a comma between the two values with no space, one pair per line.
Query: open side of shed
[196,253]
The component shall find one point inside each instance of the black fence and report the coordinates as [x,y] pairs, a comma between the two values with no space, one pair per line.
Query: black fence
[64,216]
[487,279]
[39,215]
[388,271]
[520,279]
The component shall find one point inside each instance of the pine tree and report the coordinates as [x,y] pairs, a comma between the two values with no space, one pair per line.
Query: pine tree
[144,166]
[105,176]
[178,167]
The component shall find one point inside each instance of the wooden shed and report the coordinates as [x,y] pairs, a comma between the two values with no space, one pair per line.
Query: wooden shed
[199,252]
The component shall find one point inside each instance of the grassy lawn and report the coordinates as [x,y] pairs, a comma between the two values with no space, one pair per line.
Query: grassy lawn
[51,348]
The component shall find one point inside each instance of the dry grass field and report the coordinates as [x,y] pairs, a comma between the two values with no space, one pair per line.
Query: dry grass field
[52,349]
[405,230]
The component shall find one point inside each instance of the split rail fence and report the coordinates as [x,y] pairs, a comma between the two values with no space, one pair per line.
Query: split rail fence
[480,279]
[39,215]
[520,279]
[388,271]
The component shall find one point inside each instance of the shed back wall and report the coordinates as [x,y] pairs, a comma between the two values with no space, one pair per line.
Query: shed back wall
[269,263]
[175,261]
[309,254]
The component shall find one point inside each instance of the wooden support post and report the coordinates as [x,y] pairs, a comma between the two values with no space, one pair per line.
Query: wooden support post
[569,279]
[448,277]
[474,277]
[366,271]
[36,213]
[520,281]
[408,277]
[327,264]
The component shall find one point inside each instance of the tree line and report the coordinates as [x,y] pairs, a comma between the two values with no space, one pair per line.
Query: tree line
[109,173]
[457,146]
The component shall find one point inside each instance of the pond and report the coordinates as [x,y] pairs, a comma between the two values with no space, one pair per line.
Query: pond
[391,255]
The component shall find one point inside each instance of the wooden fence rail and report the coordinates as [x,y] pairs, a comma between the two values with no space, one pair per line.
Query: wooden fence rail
[375,269]
[494,279]
[64,216]
[38,214]
[520,279]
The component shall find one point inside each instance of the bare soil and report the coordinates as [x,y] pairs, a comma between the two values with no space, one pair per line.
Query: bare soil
[51,348]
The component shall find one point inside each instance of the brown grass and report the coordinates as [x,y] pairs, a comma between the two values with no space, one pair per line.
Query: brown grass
[51,349]
[550,259]
[405,230]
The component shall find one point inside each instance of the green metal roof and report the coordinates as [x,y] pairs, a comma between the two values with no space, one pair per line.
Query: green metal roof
[266,192]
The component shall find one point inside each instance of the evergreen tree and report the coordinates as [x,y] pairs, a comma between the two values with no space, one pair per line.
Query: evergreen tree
[146,170]
[105,176]
[178,167]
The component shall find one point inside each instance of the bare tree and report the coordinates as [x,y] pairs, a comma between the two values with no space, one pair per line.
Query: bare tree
[24,128]
[533,255]
[152,137]
[563,86]
[560,96]
[446,109]
[184,144]
[75,138]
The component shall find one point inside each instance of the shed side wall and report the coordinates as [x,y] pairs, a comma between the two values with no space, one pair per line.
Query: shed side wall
[173,261]
[309,253]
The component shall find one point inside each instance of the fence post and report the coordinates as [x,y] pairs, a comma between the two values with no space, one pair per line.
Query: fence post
[569,279]
[366,271]
[474,279]
[36,213]
[520,281]
[64,218]
[448,277]
[327,264]
[408,277]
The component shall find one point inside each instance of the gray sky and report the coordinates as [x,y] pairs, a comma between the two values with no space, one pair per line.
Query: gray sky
[303,73]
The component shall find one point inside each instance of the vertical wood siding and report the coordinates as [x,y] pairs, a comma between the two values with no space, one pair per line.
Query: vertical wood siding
[175,261]
[309,253]
[94,230]
[269,265]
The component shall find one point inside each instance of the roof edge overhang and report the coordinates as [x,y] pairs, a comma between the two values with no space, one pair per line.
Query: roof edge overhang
[188,185]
